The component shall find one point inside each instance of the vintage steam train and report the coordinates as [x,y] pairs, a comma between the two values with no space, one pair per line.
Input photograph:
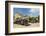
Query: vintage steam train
[21,21]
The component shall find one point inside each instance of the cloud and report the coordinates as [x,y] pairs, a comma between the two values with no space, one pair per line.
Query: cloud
[33,10]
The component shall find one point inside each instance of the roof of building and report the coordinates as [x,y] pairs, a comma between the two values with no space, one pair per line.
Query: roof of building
[19,14]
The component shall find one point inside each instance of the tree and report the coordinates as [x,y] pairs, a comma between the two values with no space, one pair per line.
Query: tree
[30,19]
[38,18]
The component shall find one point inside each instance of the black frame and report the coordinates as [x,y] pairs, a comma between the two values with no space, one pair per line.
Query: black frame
[6,17]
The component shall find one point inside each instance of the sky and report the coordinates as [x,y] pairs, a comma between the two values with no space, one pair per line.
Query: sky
[27,11]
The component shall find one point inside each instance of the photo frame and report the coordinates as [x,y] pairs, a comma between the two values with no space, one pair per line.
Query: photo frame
[24,17]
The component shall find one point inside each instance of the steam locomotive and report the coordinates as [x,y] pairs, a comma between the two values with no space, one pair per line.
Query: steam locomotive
[21,21]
